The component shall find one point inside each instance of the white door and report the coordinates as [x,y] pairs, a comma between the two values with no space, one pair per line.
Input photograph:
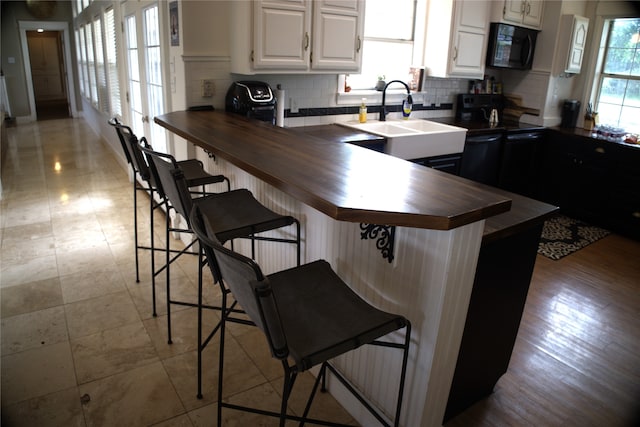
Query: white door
[145,94]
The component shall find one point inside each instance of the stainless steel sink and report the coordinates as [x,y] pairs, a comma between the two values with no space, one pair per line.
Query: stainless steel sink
[417,138]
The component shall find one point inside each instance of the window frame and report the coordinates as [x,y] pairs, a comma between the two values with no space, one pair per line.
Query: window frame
[386,40]
[601,75]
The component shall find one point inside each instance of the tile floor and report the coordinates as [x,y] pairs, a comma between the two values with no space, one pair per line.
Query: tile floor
[78,342]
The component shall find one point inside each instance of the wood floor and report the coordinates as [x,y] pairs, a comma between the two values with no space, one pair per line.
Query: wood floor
[576,361]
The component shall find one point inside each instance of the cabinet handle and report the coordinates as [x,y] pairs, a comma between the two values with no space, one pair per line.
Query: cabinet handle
[455,53]
[636,214]
[359,45]
[528,8]
[145,119]
[523,5]
[599,150]
[306,41]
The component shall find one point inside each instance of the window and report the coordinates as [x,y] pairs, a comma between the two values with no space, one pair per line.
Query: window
[82,64]
[91,65]
[103,98]
[618,98]
[112,63]
[388,42]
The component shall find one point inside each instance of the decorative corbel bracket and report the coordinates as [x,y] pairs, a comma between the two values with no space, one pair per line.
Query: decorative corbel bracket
[385,235]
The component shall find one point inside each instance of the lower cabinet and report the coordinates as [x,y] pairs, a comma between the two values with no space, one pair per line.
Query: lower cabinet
[624,203]
[447,163]
[593,180]
[500,288]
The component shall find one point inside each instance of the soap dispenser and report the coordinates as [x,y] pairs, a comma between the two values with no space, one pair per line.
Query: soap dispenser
[406,108]
[362,116]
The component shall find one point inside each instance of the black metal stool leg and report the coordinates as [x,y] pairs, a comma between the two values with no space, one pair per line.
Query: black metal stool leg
[168,273]
[200,266]
[135,224]
[153,255]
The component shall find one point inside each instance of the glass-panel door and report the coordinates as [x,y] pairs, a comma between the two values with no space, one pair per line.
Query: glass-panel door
[145,93]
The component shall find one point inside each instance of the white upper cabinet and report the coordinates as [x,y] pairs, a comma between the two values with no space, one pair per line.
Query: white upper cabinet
[289,36]
[572,43]
[281,34]
[337,35]
[527,13]
[456,38]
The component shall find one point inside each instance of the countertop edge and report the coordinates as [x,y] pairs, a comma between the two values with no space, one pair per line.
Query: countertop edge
[177,123]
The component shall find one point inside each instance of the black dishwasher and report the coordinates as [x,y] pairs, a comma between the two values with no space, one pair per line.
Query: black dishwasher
[520,163]
[481,158]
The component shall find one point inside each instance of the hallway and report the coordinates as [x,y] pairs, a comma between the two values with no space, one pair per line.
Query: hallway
[80,347]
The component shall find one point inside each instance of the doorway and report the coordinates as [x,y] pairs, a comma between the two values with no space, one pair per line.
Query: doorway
[145,78]
[61,30]
[47,74]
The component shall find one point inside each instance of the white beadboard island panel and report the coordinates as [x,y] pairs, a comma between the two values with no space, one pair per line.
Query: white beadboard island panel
[429,282]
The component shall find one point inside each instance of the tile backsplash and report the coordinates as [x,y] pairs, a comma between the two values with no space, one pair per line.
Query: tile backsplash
[314,96]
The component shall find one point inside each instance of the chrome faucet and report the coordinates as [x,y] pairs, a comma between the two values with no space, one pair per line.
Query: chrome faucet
[383,108]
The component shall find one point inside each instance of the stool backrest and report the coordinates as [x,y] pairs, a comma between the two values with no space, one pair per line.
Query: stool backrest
[131,145]
[170,180]
[116,123]
[244,278]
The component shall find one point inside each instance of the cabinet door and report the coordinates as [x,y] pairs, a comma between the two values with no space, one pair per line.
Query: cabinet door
[533,13]
[577,46]
[471,22]
[591,191]
[337,34]
[282,38]
[513,11]
[523,12]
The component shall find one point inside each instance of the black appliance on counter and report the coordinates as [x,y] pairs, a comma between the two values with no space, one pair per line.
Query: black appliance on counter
[511,46]
[471,107]
[252,99]
[570,113]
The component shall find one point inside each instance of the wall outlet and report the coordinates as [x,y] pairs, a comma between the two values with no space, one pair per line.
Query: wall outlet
[208,88]
[293,103]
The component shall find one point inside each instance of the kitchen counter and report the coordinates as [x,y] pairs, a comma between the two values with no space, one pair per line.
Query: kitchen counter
[524,211]
[588,134]
[332,188]
[479,127]
[345,182]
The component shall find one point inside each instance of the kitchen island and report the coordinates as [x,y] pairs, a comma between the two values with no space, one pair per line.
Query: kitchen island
[332,188]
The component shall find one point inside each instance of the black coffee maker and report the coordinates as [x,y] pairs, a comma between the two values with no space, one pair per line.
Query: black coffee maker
[252,99]
[570,113]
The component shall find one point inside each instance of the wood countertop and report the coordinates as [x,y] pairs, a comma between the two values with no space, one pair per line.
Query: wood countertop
[524,211]
[344,181]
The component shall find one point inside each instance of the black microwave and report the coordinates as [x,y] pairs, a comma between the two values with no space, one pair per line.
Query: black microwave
[511,46]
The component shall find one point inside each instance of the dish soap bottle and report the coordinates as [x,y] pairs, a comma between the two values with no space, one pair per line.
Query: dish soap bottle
[406,108]
[362,116]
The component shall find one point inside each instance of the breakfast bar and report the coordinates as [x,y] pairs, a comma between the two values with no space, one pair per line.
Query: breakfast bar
[332,188]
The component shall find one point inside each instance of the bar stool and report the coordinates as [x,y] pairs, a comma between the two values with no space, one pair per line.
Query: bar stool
[195,175]
[237,215]
[307,314]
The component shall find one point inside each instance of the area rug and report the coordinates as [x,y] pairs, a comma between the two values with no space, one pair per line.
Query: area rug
[562,236]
